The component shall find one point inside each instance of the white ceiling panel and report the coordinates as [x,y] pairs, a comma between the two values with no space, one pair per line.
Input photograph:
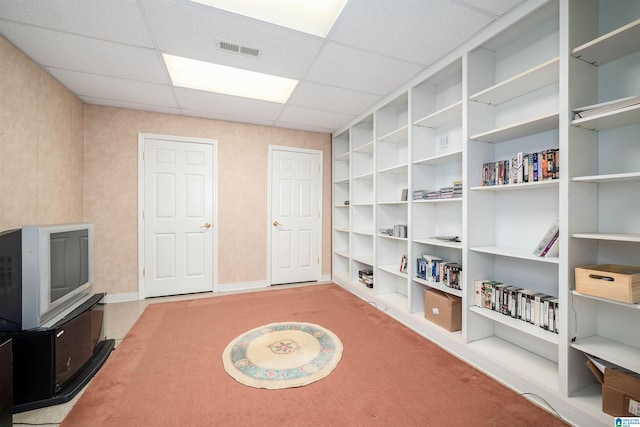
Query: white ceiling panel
[418,31]
[314,118]
[496,7]
[355,69]
[94,86]
[191,30]
[130,105]
[116,20]
[85,54]
[329,98]
[109,52]
[195,100]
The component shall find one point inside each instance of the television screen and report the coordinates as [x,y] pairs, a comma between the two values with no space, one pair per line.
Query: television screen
[69,262]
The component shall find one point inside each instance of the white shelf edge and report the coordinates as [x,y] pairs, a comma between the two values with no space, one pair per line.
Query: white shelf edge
[363,233]
[440,159]
[526,364]
[394,299]
[617,237]
[614,177]
[398,135]
[519,186]
[368,175]
[441,117]
[363,260]
[521,325]
[393,269]
[610,119]
[439,286]
[364,148]
[342,230]
[535,78]
[386,236]
[394,202]
[370,204]
[341,181]
[397,169]
[514,253]
[342,157]
[519,129]
[449,200]
[611,46]
[612,351]
[344,254]
[605,300]
[441,243]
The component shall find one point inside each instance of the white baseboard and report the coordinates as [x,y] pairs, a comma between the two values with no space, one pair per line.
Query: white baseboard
[130,296]
[241,286]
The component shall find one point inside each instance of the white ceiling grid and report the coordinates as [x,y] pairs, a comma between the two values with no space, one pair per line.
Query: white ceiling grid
[110,53]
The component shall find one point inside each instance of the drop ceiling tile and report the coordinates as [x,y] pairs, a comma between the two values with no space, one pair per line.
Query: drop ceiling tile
[329,98]
[103,87]
[116,20]
[418,31]
[355,69]
[191,30]
[133,106]
[217,104]
[66,51]
[314,118]
[496,7]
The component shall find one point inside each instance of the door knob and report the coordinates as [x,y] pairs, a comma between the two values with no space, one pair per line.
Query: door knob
[276,223]
[206,225]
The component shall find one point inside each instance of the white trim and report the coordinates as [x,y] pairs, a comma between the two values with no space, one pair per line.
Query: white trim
[142,137]
[125,297]
[242,286]
[319,153]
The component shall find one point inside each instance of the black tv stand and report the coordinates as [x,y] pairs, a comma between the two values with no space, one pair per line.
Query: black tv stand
[51,365]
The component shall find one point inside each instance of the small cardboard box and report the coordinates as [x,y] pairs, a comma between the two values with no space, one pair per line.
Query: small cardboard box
[611,281]
[443,309]
[620,390]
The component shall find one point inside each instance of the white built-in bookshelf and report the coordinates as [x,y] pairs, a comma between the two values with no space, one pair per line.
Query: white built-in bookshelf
[510,90]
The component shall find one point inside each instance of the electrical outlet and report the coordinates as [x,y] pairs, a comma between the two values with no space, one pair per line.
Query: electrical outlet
[444,141]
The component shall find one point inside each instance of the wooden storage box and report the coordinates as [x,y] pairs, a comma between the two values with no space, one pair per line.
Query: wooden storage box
[611,281]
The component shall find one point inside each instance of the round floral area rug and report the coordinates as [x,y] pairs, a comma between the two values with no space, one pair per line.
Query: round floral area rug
[282,355]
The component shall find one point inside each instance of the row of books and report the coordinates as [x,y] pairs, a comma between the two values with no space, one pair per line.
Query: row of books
[529,167]
[449,192]
[433,269]
[398,230]
[527,305]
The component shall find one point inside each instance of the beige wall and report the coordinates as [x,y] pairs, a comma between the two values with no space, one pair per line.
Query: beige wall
[41,145]
[111,190]
[63,161]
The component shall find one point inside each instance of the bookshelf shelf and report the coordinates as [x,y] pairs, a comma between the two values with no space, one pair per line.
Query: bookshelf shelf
[364,260]
[535,78]
[618,237]
[368,176]
[525,186]
[393,269]
[438,286]
[449,114]
[398,169]
[608,301]
[362,232]
[394,299]
[612,351]
[385,236]
[441,159]
[518,130]
[343,157]
[614,45]
[616,177]
[440,243]
[449,200]
[394,202]
[612,119]
[509,356]
[398,135]
[342,181]
[342,230]
[364,148]
[514,253]
[527,328]
[343,253]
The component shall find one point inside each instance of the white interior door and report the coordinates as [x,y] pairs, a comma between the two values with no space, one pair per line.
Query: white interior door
[178,217]
[296,221]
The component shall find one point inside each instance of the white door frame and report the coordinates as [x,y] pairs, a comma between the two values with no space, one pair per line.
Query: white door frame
[319,153]
[142,137]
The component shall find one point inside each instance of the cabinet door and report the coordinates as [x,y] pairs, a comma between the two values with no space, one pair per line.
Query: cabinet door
[73,347]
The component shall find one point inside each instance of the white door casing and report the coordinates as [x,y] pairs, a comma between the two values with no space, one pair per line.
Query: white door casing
[178,218]
[295,220]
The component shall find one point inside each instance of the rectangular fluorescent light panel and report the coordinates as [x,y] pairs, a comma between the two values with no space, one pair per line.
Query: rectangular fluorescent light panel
[310,16]
[199,75]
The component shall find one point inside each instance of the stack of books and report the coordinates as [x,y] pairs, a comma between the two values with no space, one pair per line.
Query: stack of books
[446,193]
[420,194]
[457,188]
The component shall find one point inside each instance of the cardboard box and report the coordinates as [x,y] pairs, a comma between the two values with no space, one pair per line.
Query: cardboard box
[620,390]
[611,281]
[443,309]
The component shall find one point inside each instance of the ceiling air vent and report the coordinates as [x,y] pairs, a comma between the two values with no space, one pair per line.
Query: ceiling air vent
[239,49]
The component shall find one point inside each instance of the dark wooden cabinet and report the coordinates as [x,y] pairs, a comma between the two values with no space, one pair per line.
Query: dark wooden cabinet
[50,366]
